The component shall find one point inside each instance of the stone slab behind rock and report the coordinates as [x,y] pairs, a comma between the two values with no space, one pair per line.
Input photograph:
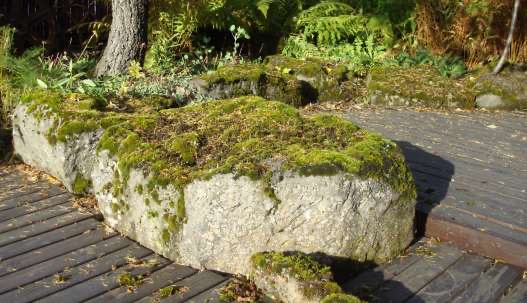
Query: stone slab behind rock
[229,218]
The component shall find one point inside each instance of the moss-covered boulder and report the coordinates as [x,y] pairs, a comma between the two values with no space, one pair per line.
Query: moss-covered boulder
[211,184]
[296,277]
[507,90]
[292,81]
[419,86]
[329,80]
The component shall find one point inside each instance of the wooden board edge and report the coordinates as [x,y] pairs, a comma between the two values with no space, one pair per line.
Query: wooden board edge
[476,241]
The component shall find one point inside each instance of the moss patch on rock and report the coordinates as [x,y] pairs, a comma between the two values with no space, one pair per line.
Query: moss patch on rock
[297,265]
[419,86]
[81,185]
[245,136]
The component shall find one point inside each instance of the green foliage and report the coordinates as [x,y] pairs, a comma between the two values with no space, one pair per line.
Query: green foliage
[8,94]
[333,22]
[447,65]
[330,22]
[359,56]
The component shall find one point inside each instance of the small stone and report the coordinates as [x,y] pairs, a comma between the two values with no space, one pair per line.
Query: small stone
[489,101]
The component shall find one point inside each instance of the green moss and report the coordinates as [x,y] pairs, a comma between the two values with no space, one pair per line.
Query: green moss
[129,280]
[419,86]
[165,235]
[228,296]
[168,291]
[120,207]
[185,146]
[81,185]
[300,266]
[84,102]
[139,189]
[341,298]
[200,141]
[314,278]
[152,214]
[236,73]
[75,127]
[42,102]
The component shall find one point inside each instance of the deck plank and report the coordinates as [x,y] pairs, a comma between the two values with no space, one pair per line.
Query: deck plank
[57,264]
[414,278]
[158,279]
[34,207]
[34,195]
[491,285]
[197,284]
[101,284]
[38,222]
[73,276]
[39,255]
[25,190]
[518,294]
[372,279]
[201,287]
[452,281]
[57,235]
[210,296]
[479,240]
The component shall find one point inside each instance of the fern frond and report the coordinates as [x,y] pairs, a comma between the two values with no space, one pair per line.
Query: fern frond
[331,22]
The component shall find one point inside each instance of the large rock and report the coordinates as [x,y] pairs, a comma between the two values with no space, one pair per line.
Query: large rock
[419,86]
[507,90]
[292,81]
[209,185]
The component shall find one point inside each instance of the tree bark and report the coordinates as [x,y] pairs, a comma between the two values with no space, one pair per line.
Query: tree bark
[128,37]
[505,53]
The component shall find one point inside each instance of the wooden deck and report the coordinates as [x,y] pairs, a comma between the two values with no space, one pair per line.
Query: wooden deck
[437,272]
[52,252]
[471,172]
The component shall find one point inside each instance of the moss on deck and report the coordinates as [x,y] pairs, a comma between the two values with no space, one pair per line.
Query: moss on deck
[248,136]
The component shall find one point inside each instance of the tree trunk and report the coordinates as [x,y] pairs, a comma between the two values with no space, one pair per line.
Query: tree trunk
[505,53]
[128,37]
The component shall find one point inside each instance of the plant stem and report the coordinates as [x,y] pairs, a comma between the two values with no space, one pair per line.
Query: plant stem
[505,53]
